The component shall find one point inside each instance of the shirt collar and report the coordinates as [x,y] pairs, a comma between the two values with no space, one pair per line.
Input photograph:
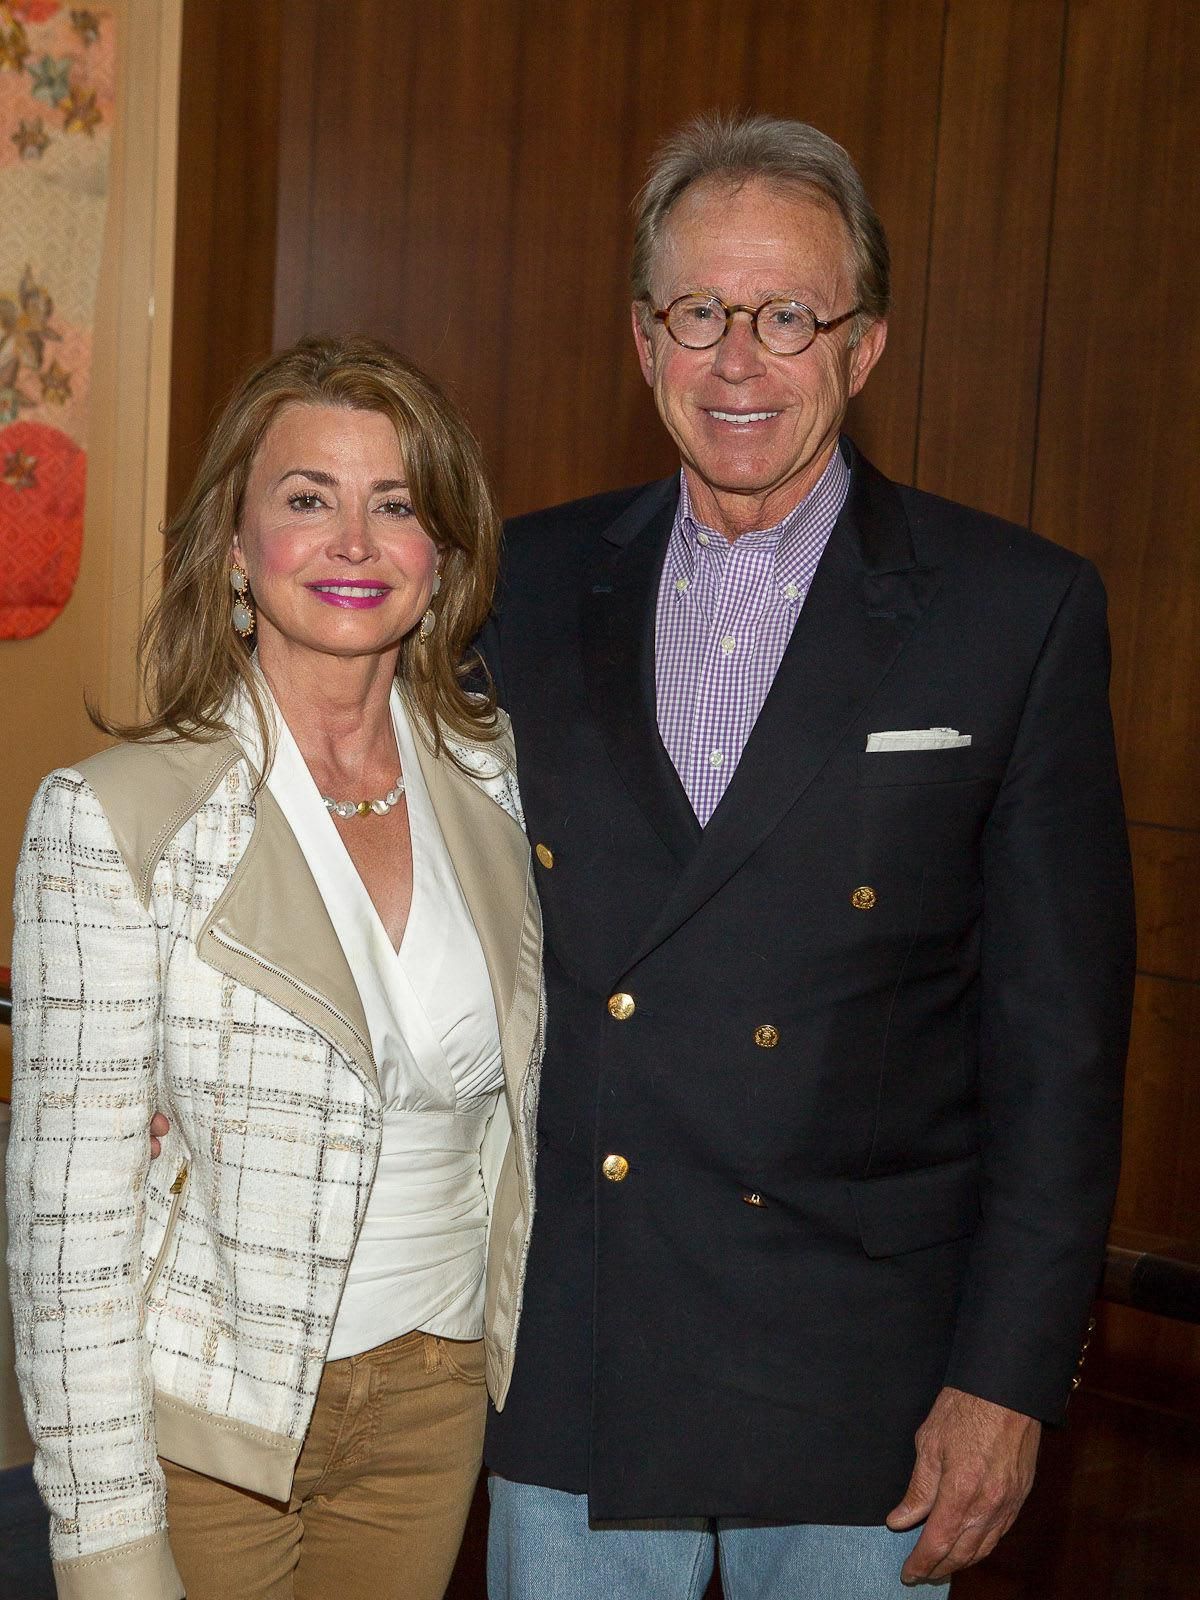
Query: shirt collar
[798,540]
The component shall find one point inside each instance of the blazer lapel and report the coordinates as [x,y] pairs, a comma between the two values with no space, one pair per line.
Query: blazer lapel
[618,624]
[491,858]
[270,930]
[868,593]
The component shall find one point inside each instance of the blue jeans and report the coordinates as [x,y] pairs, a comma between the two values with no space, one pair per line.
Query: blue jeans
[541,1547]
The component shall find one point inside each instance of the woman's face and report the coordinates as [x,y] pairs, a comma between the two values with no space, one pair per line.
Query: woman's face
[337,560]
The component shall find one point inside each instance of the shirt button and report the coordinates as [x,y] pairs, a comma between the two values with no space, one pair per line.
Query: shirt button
[702,538]
[615,1168]
[791,592]
[621,1006]
[728,644]
[681,585]
[716,758]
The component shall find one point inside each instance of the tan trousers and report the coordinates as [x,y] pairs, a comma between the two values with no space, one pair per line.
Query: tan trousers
[380,1496]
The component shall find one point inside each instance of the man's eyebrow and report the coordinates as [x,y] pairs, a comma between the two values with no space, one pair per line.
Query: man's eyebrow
[758,297]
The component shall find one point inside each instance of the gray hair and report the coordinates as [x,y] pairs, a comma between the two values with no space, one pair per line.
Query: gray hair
[741,148]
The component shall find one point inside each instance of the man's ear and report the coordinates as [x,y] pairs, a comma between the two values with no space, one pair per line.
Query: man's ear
[643,340]
[866,353]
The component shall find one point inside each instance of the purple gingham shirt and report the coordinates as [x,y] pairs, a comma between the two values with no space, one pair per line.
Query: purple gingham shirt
[725,615]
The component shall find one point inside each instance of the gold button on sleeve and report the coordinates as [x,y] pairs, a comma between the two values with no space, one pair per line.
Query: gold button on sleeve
[766,1037]
[615,1168]
[621,1006]
[864,898]
[754,1200]
[545,855]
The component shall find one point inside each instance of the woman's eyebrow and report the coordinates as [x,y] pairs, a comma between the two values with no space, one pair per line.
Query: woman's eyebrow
[328,481]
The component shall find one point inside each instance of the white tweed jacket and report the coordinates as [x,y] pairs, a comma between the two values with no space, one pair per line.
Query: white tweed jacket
[172,951]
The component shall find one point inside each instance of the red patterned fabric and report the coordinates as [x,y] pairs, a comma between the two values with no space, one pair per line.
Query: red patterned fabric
[42,475]
[57,97]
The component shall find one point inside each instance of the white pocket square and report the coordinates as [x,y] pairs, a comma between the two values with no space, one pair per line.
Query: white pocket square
[918,739]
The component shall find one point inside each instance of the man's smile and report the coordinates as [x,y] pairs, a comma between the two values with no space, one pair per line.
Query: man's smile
[740,418]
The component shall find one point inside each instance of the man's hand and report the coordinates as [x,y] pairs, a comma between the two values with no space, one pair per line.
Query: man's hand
[975,1465]
[159,1129]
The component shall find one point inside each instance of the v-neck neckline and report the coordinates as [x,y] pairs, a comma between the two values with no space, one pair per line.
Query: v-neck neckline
[412,779]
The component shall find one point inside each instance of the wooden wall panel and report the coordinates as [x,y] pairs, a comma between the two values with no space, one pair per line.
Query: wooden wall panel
[1145,1358]
[990,241]
[1166,875]
[1149,1360]
[1120,412]
[1160,1181]
[459,179]
[1116,478]
[225,223]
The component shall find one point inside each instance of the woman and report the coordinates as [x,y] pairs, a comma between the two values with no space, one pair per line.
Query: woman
[293,911]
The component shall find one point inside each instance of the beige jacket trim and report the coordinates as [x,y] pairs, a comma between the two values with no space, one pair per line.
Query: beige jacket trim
[236,1452]
[141,1571]
[149,790]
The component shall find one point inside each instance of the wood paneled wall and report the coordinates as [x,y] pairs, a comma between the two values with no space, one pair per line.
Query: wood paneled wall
[229,154]
[457,177]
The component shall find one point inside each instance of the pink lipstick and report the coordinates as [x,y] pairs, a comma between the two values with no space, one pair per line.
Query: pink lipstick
[353,594]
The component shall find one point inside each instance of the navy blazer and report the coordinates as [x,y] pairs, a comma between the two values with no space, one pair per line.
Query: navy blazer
[869,1088]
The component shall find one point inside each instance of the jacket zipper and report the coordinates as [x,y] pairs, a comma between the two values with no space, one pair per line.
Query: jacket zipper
[278,972]
[176,1192]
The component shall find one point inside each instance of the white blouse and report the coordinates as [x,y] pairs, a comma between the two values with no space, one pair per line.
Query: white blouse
[419,1260]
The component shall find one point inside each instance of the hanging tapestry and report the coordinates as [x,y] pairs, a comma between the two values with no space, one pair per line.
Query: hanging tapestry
[57,90]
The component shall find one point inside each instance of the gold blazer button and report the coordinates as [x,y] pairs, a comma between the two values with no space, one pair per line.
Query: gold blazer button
[544,854]
[621,1006]
[615,1168]
[754,1200]
[864,898]
[766,1037]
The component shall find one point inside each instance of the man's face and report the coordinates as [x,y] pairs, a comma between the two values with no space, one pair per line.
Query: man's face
[755,430]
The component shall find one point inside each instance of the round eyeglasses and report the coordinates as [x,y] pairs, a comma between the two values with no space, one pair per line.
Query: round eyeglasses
[785,327]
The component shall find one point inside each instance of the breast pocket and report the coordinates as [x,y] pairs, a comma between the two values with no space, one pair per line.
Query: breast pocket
[929,807]
[958,764]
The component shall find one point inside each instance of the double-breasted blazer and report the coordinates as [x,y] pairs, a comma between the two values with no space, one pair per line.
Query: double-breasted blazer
[173,952]
[857,1044]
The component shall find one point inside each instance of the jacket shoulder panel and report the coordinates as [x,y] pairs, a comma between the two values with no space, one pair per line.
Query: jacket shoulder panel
[943,529]
[148,790]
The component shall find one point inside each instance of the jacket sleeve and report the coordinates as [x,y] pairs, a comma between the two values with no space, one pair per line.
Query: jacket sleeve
[86,1038]
[1056,982]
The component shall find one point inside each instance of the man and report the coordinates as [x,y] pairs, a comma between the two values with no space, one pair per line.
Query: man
[820,776]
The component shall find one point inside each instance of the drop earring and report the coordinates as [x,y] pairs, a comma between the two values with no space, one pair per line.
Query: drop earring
[429,620]
[243,606]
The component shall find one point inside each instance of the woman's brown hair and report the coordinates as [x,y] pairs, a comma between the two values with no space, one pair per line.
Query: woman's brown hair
[191,660]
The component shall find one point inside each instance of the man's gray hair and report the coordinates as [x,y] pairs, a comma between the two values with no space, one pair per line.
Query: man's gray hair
[741,148]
